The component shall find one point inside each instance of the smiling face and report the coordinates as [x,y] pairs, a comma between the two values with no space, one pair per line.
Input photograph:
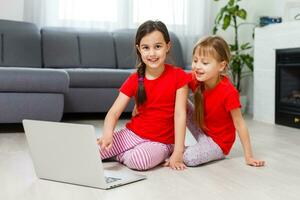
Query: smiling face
[211,56]
[153,49]
[206,67]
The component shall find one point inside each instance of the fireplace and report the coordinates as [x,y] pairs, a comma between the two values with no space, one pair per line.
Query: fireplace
[287,92]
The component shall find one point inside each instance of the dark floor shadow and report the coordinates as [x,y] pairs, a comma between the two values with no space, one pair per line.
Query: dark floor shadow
[18,127]
[209,163]
[90,116]
[11,128]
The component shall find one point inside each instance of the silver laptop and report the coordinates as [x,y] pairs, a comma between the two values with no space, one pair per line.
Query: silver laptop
[69,153]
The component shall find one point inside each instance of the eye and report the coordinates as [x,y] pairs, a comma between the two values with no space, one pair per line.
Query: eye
[195,60]
[157,46]
[205,62]
[145,47]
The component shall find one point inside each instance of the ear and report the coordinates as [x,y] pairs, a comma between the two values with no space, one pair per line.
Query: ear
[169,44]
[138,48]
[223,64]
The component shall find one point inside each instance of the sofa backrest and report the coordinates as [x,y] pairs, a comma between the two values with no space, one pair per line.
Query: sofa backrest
[126,53]
[176,55]
[23,45]
[77,48]
[20,44]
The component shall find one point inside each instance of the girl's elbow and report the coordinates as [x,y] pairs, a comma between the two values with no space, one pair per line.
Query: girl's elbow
[113,114]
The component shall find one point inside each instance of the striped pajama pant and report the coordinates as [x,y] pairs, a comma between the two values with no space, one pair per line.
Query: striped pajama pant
[205,150]
[135,152]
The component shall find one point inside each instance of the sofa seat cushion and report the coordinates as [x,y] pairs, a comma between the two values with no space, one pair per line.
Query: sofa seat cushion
[32,80]
[97,78]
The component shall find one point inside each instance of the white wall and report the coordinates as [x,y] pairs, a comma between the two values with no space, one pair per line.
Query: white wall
[255,9]
[267,40]
[12,9]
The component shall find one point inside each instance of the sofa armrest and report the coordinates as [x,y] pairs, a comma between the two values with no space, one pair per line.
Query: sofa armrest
[32,80]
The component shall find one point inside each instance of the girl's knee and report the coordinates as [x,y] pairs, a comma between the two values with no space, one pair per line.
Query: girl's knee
[197,155]
[190,160]
[194,156]
[139,160]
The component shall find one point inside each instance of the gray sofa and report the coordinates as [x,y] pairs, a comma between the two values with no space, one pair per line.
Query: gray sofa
[46,73]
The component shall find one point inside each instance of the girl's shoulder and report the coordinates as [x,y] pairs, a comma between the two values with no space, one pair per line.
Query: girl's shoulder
[177,72]
[131,79]
[133,75]
[227,85]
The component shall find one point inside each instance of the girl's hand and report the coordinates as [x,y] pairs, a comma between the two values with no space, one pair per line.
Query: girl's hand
[175,162]
[254,162]
[105,142]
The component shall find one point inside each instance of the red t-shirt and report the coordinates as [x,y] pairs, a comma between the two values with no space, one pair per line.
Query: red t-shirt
[218,103]
[155,120]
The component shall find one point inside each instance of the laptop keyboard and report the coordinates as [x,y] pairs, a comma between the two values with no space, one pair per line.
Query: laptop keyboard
[111,179]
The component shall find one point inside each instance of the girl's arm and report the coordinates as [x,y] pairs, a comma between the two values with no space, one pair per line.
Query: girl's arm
[111,120]
[176,159]
[242,130]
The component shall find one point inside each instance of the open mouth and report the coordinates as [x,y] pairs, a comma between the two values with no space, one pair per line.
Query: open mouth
[153,60]
[199,73]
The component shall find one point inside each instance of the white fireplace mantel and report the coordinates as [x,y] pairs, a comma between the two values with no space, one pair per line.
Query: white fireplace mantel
[267,40]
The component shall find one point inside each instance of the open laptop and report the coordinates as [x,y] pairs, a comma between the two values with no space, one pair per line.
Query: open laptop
[69,153]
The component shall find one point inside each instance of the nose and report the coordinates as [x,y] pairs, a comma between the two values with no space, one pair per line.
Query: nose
[197,66]
[152,52]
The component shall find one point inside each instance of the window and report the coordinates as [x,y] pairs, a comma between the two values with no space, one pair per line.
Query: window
[169,11]
[88,10]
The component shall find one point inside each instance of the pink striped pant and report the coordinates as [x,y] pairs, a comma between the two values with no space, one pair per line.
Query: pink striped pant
[135,152]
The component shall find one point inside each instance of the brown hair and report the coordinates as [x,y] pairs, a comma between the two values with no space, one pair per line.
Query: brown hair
[216,47]
[144,29]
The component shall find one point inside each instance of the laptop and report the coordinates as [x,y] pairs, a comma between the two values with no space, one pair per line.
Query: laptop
[69,153]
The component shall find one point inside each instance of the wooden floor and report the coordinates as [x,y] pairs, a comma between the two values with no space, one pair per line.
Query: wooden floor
[227,179]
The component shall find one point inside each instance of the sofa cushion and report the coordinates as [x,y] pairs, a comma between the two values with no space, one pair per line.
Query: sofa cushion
[125,51]
[60,49]
[97,78]
[77,48]
[97,50]
[1,47]
[176,56]
[31,80]
[20,44]
[38,106]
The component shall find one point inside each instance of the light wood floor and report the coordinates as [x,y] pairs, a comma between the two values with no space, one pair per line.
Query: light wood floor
[226,179]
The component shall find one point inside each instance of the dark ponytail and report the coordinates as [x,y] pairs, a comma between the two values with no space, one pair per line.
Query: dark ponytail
[144,29]
[141,93]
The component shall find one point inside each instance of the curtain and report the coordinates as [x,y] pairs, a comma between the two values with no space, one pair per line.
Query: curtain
[189,19]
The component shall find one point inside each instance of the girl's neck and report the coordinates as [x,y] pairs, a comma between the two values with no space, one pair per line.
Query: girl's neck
[154,73]
[212,83]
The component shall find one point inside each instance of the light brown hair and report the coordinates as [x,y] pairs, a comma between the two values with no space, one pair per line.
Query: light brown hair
[218,48]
